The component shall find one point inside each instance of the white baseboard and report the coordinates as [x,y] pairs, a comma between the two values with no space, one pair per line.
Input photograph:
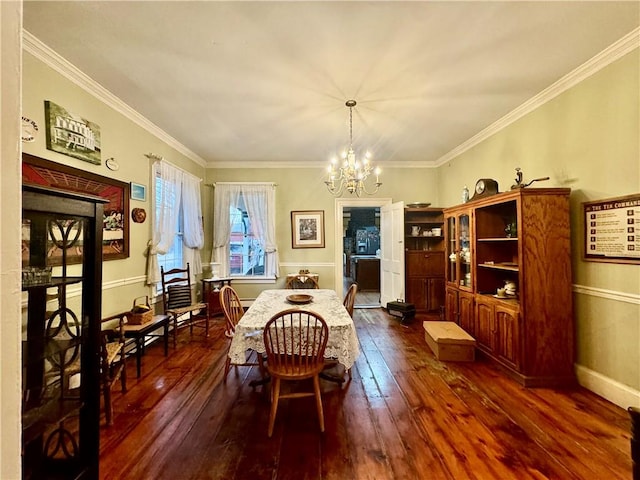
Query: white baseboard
[609,389]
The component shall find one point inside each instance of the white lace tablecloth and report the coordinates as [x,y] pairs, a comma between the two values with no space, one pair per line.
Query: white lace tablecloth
[343,341]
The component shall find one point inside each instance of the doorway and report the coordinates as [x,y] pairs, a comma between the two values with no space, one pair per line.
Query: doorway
[361,243]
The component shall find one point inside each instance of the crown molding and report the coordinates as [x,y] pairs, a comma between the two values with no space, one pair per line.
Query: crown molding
[609,55]
[46,55]
[321,165]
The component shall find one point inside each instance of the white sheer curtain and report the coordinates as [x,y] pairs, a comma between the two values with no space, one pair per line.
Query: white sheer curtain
[259,200]
[193,233]
[164,216]
[178,191]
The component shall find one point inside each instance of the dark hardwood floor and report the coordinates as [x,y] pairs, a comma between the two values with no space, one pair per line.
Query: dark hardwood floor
[404,415]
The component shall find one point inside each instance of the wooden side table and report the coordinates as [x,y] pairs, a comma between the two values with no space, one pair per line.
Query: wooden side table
[211,293]
[139,332]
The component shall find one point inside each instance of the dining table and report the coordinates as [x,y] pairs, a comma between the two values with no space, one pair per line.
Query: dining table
[342,344]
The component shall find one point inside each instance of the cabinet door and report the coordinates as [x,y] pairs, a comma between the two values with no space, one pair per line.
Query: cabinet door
[484,326]
[423,264]
[416,292]
[451,305]
[508,346]
[465,312]
[434,293]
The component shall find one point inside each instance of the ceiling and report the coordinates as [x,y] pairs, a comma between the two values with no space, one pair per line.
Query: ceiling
[265,83]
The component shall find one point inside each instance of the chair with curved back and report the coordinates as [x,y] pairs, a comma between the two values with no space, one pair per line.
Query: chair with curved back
[350,298]
[302,281]
[295,341]
[233,312]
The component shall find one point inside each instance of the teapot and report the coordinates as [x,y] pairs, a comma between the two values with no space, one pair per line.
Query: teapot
[415,230]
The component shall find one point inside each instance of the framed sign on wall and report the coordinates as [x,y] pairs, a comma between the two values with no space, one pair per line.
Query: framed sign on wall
[612,230]
[115,229]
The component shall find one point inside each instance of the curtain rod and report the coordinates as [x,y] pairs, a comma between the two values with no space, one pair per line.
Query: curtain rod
[241,183]
[158,158]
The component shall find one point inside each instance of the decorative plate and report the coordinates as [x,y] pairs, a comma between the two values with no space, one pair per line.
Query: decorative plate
[418,205]
[300,298]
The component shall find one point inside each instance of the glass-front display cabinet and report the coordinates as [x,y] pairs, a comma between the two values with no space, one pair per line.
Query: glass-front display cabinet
[61,284]
[458,242]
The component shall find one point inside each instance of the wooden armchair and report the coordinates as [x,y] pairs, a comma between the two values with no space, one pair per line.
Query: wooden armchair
[112,358]
[178,303]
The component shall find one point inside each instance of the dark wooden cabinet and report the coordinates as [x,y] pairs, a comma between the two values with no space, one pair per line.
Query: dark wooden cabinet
[367,274]
[424,258]
[60,361]
[520,239]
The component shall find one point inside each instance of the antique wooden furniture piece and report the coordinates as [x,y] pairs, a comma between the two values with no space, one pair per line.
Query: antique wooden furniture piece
[211,293]
[302,280]
[233,312]
[350,298]
[178,304]
[509,281]
[113,359]
[424,258]
[139,333]
[61,361]
[295,343]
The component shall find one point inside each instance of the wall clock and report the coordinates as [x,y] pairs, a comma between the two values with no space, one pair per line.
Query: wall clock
[485,187]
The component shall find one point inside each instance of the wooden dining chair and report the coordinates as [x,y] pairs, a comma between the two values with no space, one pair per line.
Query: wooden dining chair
[295,341]
[233,312]
[178,303]
[302,281]
[350,298]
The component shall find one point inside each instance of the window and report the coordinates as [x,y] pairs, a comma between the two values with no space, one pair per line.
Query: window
[173,257]
[177,222]
[246,255]
[244,230]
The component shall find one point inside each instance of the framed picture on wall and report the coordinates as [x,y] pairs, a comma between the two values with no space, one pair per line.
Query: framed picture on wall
[71,134]
[115,226]
[307,229]
[138,191]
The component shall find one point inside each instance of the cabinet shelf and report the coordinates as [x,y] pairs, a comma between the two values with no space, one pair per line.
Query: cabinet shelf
[500,266]
[55,282]
[498,239]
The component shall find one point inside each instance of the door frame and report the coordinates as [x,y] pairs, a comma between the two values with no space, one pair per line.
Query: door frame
[338,243]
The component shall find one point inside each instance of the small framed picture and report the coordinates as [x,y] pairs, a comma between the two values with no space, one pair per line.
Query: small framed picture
[307,229]
[138,192]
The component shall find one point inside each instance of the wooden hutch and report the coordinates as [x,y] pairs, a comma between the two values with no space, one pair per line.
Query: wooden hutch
[522,238]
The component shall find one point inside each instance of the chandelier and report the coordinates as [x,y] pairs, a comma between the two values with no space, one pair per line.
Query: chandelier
[352,174]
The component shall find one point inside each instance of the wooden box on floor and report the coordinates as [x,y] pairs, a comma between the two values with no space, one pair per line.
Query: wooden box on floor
[449,342]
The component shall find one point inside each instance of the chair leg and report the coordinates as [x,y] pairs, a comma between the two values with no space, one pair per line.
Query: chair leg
[175,331]
[123,376]
[275,396]
[316,389]
[227,366]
